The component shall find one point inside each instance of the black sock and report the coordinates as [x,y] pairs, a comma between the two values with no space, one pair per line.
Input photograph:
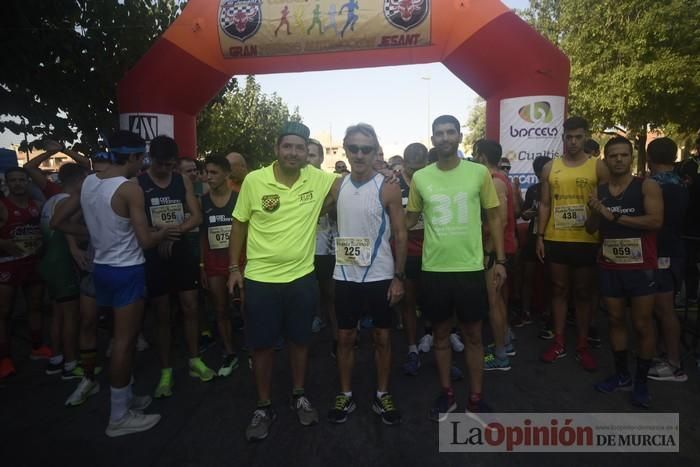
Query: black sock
[620,357]
[642,370]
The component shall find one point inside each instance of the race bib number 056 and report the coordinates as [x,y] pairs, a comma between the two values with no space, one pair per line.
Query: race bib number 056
[218,236]
[623,250]
[352,251]
[569,217]
[167,214]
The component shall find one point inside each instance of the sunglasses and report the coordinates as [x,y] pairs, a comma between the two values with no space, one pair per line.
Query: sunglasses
[355,149]
[504,167]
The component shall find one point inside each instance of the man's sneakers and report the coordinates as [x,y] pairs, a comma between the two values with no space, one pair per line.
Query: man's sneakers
[229,364]
[7,368]
[199,370]
[412,364]
[509,348]
[259,426]
[444,404]
[165,385]
[456,343]
[42,352]
[617,382]
[554,352]
[140,403]
[583,355]
[425,343]
[306,413]
[665,371]
[85,389]
[546,334]
[343,406]
[132,422]
[493,363]
[385,408]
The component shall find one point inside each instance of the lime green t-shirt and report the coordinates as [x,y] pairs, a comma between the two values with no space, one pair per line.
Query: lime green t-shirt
[281,222]
[451,202]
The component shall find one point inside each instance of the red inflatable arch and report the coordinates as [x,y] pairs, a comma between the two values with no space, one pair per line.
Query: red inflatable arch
[482,42]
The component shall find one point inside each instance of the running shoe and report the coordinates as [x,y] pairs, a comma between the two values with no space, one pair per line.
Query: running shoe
[132,422]
[586,359]
[229,364]
[306,413]
[425,343]
[78,372]
[260,424]
[492,363]
[444,404]
[85,389]
[640,395]
[618,382]
[510,350]
[199,370]
[140,403]
[478,407]
[54,368]
[546,334]
[42,352]
[165,385]
[456,343]
[594,338]
[385,408]
[412,364]
[344,406]
[664,371]
[7,368]
[141,343]
[554,352]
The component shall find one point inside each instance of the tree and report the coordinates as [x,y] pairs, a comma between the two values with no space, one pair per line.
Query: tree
[62,60]
[244,120]
[634,63]
[475,124]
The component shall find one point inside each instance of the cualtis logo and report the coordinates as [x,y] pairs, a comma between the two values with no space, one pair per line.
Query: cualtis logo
[538,112]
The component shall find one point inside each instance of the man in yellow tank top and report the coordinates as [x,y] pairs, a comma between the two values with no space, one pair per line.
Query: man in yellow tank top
[570,252]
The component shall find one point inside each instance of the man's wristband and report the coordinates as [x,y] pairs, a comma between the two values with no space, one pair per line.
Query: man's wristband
[400,276]
[502,262]
[234,268]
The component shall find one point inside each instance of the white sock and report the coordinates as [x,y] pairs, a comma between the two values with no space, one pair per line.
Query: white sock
[119,402]
[381,393]
[412,349]
[56,359]
[348,394]
[70,366]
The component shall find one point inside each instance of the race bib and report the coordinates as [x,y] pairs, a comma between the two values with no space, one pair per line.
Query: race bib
[167,215]
[29,244]
[352,251]
[218,236]
[569,217]
[623,250]
[664,262]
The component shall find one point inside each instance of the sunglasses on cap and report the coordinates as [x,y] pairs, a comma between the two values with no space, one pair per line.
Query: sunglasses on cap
[355,149]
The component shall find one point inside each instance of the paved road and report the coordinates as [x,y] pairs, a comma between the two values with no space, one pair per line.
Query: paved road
[203,423]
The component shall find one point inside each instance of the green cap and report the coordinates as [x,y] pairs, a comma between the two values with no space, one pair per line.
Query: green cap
[295,128]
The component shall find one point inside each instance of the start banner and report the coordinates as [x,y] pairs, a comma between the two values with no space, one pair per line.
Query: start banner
[263,28]
[530,127]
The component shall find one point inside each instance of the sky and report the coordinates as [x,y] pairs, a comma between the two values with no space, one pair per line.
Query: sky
[400,102]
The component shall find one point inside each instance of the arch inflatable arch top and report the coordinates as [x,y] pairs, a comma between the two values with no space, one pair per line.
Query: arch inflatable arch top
[522,76]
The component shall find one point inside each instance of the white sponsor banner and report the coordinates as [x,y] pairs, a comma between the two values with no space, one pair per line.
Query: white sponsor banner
[148,125]
[559,432]
[530,126]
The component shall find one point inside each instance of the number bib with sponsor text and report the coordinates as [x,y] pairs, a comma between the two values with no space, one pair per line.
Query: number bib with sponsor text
[569,217]
[623,250]
[353,251]
[167,215]
[218,236]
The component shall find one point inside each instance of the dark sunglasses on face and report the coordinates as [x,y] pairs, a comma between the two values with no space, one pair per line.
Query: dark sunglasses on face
[505,167]
[354,149]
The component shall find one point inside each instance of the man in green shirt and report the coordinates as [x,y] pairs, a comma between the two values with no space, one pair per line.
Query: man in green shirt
[451,194]
[275,216]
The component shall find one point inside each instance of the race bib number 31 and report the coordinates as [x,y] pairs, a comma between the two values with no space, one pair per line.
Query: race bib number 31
[569,217]
[623,250]
[167,214]
[352,251]
[218,236]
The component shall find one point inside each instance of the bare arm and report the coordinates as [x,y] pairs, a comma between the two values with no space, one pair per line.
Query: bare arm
[62,218]
[331,197]
[192,207]
[391,198]
[78,158]
[412,219]
[517,198]
[494,220]
[239,233]
[502,192]
[602,172]
[544,210]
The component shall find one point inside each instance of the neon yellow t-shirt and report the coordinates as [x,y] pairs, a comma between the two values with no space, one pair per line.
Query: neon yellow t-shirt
[451,202]
[281,222]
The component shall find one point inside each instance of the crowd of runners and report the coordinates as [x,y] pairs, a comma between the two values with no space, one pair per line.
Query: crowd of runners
[287,249]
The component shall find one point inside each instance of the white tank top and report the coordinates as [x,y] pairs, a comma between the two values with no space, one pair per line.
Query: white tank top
[363,252]
[111,235]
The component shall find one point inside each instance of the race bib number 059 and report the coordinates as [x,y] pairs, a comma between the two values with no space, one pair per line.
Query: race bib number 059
[167,214]
[218,236]
[352,251]
[623,250]
[569,217]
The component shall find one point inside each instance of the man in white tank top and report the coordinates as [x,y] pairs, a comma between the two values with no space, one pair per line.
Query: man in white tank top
[368,280]
[113,208]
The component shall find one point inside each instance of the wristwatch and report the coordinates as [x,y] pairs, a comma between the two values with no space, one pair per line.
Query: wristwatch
[400,276]
[502,262]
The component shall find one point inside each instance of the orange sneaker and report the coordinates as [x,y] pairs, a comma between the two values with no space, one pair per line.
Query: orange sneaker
[41,353]
[7,368]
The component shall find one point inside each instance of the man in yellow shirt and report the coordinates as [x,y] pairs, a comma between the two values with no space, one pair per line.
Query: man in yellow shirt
[275,217]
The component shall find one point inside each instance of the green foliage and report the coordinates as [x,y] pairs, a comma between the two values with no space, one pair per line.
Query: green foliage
[62,60]
[476,125]
[244,120]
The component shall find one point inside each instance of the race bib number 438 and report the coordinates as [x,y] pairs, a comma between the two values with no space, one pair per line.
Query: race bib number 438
[569,217]
[352,251]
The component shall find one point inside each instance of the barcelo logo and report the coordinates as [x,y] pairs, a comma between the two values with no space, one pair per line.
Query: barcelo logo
[538,112]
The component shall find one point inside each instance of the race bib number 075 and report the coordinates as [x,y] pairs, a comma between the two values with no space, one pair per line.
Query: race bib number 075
[218,236]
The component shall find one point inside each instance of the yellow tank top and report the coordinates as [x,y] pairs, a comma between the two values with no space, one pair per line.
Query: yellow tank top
[570,189]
